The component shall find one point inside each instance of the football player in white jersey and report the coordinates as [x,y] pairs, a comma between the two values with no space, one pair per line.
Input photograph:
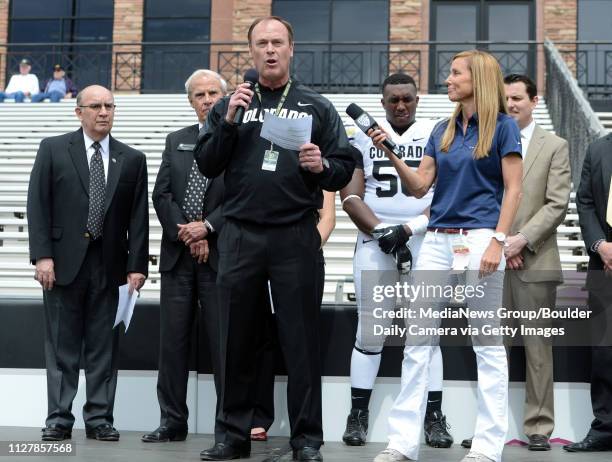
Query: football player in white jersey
[391,227]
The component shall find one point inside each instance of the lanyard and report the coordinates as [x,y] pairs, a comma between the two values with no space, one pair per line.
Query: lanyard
[278,108]
[282,100]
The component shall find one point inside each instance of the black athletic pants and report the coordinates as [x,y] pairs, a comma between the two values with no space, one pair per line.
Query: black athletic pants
[249,256]
[263,415]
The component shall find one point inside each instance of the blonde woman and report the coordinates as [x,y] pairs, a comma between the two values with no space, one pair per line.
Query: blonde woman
[475,159]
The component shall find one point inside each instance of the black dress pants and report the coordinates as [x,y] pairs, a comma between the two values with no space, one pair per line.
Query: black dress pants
[600,302]
[188,289]
[79,319]
[249,256]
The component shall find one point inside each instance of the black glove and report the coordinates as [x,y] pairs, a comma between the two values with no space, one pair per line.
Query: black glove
[403,259]
[390,238]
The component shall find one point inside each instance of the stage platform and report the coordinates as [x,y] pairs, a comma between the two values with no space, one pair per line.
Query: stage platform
[131,449]
[23,401]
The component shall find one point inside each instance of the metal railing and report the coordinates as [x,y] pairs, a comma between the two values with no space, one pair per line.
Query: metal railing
[590,63]
[571,113]
[334,67]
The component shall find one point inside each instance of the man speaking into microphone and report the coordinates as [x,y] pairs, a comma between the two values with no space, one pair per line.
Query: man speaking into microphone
[271,198]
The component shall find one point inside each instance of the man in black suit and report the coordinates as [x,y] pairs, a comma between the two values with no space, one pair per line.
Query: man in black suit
[188,206]
[88,225]
[595,212]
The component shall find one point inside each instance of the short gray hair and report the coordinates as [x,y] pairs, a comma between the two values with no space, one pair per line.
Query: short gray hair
[205,72]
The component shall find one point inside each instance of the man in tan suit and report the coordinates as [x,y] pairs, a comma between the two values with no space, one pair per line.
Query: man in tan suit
[531,249]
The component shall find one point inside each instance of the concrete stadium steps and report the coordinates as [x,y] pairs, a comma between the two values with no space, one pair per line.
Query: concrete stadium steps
[606,119]
[143,121]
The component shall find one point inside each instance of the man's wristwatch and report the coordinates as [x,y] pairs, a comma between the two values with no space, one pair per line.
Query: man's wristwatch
[596,245]
[209,226]
[500,237]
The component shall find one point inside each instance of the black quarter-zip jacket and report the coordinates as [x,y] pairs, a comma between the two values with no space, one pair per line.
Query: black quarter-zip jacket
[289,193]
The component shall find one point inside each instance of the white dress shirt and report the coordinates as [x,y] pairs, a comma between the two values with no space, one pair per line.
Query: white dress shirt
[103,150]
[526,134]
[26,83]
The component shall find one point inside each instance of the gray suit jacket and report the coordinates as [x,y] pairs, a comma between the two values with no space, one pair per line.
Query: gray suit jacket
[545,196]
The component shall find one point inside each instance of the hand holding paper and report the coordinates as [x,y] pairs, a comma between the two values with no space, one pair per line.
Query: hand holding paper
[125,305]
[136,281]
[310,158]
[287,133]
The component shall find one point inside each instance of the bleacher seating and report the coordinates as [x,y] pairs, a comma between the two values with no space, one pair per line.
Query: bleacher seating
[143,121]
[606,119]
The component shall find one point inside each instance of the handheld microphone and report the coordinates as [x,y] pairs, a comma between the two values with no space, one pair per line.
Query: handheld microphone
[366,122]
[251,77]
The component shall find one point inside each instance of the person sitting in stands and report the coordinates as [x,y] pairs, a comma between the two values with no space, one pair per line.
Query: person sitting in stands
[21,85]
[57,87]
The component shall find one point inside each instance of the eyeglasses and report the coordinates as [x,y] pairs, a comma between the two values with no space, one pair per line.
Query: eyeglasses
[98,106]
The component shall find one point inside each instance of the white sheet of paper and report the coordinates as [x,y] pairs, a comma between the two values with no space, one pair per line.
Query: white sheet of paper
[286,133]
[270,294]
[125,306]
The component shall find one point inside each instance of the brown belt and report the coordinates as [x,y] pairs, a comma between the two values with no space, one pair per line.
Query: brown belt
[449,230]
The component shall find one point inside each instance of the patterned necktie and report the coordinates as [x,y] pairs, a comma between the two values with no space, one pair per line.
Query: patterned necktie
[97,193]
[194,194]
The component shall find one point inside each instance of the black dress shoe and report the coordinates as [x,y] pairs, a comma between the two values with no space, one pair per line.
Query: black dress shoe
[164,434]
[307,453]
[538,443]
[222,451]
[590,444]
[104,432]
[467,443]
[56,433]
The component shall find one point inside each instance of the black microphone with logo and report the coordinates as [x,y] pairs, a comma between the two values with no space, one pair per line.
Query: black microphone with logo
[366,122]
[251,77]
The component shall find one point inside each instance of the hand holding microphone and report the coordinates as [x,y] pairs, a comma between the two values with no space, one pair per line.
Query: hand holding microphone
[366,123]
[380,138]
[241,98]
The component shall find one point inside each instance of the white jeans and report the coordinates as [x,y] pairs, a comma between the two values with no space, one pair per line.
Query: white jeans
[408,411]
